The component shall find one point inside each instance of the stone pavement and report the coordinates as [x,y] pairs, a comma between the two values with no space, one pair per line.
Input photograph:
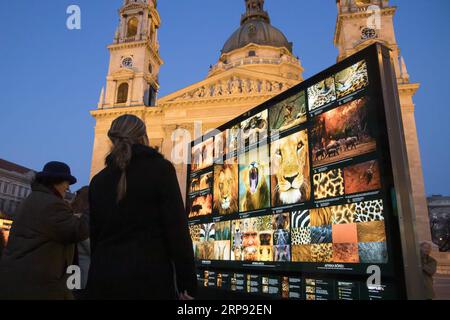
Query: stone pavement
[442,287]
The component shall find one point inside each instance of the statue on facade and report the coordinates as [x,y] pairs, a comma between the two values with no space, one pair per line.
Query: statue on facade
[235,86]
[218,89]
[267,87]
[245,88]
[200,93]
[254,88]
[275,86]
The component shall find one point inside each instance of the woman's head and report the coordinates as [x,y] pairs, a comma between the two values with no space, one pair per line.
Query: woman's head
[57,184]
[125,131]
[57,176]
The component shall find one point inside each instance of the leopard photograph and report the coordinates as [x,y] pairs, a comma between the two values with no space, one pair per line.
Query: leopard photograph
[351,79]
[321,93]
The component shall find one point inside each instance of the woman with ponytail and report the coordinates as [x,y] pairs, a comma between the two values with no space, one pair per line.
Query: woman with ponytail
[140,243]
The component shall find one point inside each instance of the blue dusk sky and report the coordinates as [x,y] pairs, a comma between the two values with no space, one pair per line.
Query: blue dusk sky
[52,77]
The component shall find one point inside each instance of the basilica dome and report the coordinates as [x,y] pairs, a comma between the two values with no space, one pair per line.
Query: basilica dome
[257,32]
[256,28]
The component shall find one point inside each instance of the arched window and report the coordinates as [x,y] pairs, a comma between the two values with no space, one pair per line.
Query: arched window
[122,93]
[132,27]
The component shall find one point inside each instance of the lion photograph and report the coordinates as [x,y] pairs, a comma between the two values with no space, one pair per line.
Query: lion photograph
[226,189]
[254,192]
[200,206]
[290,175]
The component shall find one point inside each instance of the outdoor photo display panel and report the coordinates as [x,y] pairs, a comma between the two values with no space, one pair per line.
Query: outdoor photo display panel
[301,183]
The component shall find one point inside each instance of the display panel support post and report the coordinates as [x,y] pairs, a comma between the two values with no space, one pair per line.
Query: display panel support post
[414,283]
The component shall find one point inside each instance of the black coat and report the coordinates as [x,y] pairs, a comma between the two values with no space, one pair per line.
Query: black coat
[40,248]
[142,244]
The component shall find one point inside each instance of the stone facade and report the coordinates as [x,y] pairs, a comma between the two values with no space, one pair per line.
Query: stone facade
[361,23]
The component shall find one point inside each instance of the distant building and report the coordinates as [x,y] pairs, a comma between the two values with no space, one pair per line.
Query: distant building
[15,183]
[439,211]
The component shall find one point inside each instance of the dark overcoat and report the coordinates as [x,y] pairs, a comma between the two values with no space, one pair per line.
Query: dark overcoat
[140,247]
[40,248]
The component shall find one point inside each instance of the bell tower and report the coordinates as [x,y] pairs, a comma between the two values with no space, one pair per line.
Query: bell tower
[132,81]
[361,23]
[134,57]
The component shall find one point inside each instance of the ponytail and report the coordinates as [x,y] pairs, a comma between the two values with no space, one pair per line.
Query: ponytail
[125,131]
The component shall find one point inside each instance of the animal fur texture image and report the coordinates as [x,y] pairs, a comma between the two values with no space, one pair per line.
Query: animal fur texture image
[343,214]
[345,253]
[290,170]
[301,253]
[300,236]
[320,217]
[373,231]
[328,184]
[322,252]
[369,211]
[373,252]
[321,234]
[300,219]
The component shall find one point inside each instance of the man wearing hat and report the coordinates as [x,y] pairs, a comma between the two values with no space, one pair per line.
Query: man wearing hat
[42,240]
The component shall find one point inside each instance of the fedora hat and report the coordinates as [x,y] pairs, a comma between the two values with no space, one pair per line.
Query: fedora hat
[57,170]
